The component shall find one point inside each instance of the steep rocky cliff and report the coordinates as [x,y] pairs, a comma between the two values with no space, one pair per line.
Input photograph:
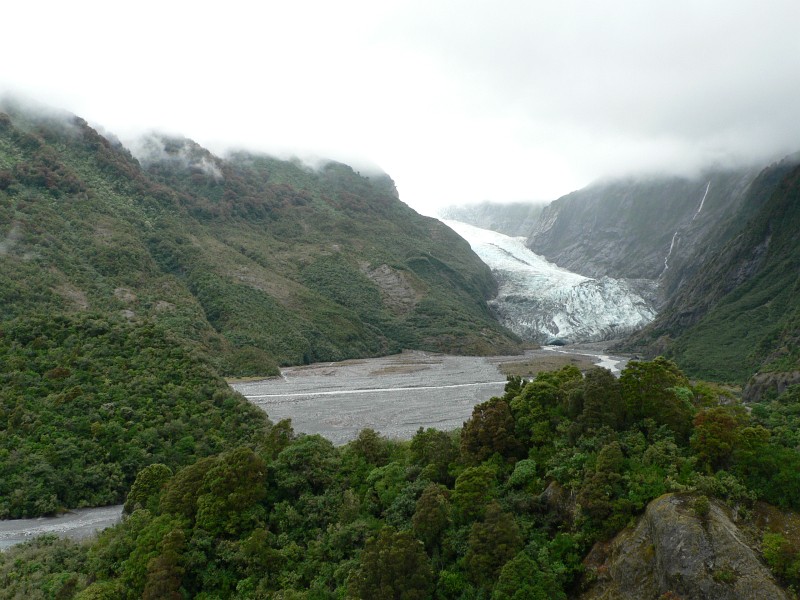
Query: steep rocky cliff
[676,548]
[739,311]
[642,228]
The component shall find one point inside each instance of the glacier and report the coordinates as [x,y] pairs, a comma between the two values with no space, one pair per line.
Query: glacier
[541,302]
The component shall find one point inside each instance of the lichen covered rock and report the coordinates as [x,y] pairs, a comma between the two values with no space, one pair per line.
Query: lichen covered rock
[681,546]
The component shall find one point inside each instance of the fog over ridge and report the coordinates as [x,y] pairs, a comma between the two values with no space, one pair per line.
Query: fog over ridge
[458,103]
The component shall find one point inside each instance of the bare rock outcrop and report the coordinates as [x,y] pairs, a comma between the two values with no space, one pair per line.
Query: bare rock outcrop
[396,286]
[762,383]
[677,551]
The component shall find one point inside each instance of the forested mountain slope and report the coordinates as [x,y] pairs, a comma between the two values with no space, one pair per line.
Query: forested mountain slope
[740,312]
[129,287]
[260,261]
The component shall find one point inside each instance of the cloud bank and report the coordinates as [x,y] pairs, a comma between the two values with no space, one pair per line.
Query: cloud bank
[458,102]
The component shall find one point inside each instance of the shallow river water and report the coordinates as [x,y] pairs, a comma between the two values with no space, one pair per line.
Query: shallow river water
[76,524]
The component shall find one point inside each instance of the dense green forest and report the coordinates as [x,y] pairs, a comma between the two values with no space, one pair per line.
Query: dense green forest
[506,507]
[130,286]
[87,402]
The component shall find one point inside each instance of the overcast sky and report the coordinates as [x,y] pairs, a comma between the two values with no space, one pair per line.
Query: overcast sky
[459,101]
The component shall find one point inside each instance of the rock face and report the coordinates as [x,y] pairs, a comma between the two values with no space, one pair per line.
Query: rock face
[672,549]
[642,228]
[761,383]
[736,314]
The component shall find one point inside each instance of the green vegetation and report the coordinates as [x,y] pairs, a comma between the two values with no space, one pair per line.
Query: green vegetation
[506,508]
[262,262]
[128,287]
[87,402]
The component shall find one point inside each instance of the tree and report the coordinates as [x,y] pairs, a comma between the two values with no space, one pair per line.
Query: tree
[393,566]
[181,492]
[384,484]
[307,465]
[536,410]
[600,489]
[492,543]
[432,515]
[474,489]
[522,579]
[716,432]
[164,572]
[656,389]
[230,492]
[490,430]
[371,447]
[434,451]
[280,435]
[147,486]
[602,400]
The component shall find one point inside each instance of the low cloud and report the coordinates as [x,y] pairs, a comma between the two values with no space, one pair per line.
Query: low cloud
[456,101]
[182,153]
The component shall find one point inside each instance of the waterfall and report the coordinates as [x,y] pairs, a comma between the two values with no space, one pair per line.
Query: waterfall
[699,208]
[669,253]
[675,235]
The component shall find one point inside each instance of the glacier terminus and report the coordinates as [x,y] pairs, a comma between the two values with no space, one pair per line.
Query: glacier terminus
[543,303]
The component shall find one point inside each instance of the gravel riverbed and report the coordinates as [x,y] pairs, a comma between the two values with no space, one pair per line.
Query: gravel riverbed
[395,395]
[75,524]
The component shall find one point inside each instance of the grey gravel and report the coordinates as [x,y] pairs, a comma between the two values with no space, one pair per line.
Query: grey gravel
[77,524]
[395,395]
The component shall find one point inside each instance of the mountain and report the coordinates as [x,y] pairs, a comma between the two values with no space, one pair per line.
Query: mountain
[259,261]
[513,218]
[541,302]
[129,286]
[640,228]
[715,254]
[739,313]
[129,283]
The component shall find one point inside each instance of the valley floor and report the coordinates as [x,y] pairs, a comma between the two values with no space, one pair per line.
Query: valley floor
[396,395]
[77,524]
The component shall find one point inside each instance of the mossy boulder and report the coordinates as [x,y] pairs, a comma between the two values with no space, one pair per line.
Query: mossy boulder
[674,548]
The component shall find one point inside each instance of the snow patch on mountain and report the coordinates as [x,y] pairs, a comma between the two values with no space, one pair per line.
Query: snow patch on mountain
[540,301]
